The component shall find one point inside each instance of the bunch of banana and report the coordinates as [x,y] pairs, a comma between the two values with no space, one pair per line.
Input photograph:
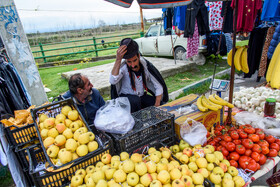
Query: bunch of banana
[214,102]
[273,71]
[240,59]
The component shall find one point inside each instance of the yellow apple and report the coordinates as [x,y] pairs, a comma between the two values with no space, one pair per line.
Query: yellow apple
[53,132]
[48,141]
[109,173]
[59,140]
[204,172]
[65,109]
[68,133]
[106,158]
[193,166]
[219,155]
[64,156]
[60,127]
[166,154]
[201,162]
[91,136]
[67,122]
[42,117]
[161,166]
[136,157]
[74,156]
[210,157]
[187,180]
[101,183]
[98,175]
[197,178]
[83,138]
[49,123]
[163,177]
[73,115]
[119,176]
[89,181]
[90,169]
[132,179]
[178,183]
[52,151]
[81,172]
[228,182]
[175,174]
[74,126]
[151,150]
[115,157]
[82,150]
[128,166]
[146,179]
[115,164]
[238,181]
[71,145]
[44,133]
[140,168]
[92,146]
[155,183]
[76,181]
[124,156]
[184,159]
[218,170]
[151,167]
[210,166]
[81,124]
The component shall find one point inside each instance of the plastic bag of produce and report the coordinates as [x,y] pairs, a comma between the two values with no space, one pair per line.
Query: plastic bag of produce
[193,132]
[270,126]
[114,116]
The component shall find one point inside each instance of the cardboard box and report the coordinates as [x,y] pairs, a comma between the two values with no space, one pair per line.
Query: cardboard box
[208,119]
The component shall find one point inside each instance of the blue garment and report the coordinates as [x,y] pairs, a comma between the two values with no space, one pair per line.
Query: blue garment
[271,10]
[90,107]
[228,41]
[274,42]
[182,20]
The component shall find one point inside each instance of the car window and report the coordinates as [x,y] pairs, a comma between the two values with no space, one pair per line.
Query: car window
[153,31]
[162,31]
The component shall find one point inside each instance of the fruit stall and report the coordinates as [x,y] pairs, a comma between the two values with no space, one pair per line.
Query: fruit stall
[52,145]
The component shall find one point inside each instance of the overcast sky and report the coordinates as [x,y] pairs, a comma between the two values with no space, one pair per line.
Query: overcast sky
[53,15]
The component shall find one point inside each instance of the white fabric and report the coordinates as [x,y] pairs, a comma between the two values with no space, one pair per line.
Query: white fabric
[126,84]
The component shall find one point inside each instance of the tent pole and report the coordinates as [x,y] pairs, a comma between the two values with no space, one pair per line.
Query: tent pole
[142,22]
[228,122]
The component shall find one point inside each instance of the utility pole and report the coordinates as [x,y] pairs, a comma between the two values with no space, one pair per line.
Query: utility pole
[142,22]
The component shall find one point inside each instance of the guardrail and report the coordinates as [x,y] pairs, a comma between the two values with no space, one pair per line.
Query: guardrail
[113,45]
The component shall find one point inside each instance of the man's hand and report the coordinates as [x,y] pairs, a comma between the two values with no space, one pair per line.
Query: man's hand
[120,52]
[158,99]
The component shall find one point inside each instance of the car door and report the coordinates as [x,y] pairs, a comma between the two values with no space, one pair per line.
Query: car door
[149,42]
[164,43]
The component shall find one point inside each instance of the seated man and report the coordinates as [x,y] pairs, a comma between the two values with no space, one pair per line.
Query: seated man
[133,77]
[85,96]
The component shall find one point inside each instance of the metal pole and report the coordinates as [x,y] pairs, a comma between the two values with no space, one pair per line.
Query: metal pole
[172,47]
[232,64]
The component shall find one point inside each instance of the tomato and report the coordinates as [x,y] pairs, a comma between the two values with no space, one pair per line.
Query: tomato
[240,149]
[248,152]
[237,142]
[227,138]
[269,138]
[230,146]
[272,153]
[212,143]
[239,130]
[216,132]
[262,159]
[217,139]
[223,143]
[260,133]
[234,135]
[263,143]
[243,135]
[277,141]
[234,156]
[254,137]
[242,127]
[249,130]
[248,144]
[225,151]
[257,148]
[255,156]
[252,165]
[232,129]
[244,161]
[248,126]
[219,148]
[274,146]
[258,166]
[233,163]
[219,127]
[265,149]
[208,134]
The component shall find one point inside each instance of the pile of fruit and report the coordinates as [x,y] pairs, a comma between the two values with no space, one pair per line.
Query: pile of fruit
[245,147]
[240,59]
[66,137]
[214,102]
[178,166]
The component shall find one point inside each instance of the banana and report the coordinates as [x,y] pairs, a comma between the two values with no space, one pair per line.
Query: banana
[272,63]
[244,62]
[237,58]
[214,100]
[229,57]
[227,103]
[275,77]
[199,105]
[214,104]
[207,105]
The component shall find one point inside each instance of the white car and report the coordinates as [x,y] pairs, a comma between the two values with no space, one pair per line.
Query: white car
[155,42]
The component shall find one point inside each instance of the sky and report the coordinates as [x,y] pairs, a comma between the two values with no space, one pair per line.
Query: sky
[55,15]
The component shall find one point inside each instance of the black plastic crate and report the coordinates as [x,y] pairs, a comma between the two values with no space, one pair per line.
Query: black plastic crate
[44,178]
[52,110]
[19,136]
[150,124]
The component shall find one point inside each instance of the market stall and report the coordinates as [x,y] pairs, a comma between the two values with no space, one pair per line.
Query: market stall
[195,140]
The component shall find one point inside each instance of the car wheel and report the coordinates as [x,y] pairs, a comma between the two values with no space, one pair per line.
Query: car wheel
[179,51]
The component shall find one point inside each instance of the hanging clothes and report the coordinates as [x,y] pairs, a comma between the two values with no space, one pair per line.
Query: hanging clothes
[263,64]
[255,47]
[247,13]
[193,43]
[196,11]
[274,42]
[228,23]
[167,17]
[213,43]
[271,10]
[179,19]
[215,18]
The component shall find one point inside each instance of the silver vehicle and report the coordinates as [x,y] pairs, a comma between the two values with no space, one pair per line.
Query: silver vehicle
[155,42]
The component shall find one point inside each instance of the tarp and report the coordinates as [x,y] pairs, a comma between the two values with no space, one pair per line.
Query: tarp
[149,4]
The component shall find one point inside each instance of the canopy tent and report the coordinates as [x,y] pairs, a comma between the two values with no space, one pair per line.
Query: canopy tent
[148,4]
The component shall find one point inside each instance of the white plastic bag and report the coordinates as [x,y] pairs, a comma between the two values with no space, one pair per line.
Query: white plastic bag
[114,116]
[194,134]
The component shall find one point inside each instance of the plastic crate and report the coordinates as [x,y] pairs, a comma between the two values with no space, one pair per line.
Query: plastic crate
[19,136]
[274,180]
[52,110]
[150,124]
[43,178]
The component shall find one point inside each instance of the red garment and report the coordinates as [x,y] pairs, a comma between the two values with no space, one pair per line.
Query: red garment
[247,13]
